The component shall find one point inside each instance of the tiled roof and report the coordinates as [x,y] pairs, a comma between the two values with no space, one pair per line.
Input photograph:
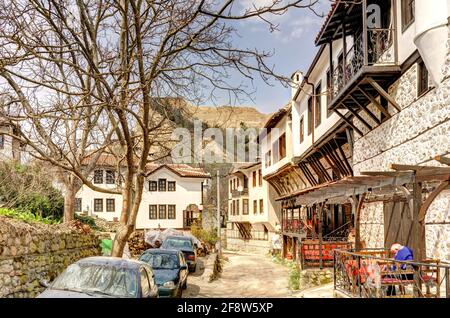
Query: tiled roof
[183,170]
[334,5]
[275,118]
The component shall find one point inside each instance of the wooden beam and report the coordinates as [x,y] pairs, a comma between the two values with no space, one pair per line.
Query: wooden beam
[365,123]
[443,160]
[376,103]
[366,109]
[348,121]
[347,163]
[383,93]
[427,203]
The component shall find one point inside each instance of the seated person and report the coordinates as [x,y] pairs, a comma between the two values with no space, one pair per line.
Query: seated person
[404,254]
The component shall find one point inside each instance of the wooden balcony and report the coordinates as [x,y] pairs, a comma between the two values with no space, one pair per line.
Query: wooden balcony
[237,194]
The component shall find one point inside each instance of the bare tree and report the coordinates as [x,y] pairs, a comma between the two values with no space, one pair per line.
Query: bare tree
[79,74]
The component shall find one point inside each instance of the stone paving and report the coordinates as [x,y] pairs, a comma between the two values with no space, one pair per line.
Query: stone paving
[243,276]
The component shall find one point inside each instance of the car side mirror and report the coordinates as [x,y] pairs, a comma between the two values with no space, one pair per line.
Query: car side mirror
[44,283]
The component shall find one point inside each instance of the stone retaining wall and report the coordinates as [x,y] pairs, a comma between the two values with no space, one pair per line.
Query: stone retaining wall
[30,253]
[315,277]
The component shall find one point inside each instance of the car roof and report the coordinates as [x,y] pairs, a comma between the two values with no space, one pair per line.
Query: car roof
[112,261]
[160,251]
[175,237]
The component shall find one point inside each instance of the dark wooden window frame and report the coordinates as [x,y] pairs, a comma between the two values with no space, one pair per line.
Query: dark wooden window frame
[162,212]
[110,177]
[423,84]
[261,206]
[255,207]
[98,205]
[282,147]
[171,186]
[153,186]
[260,177]
[318,105]
[98,176]
[302,129]
[110,205]
[162,185]
[171,212]
[153,212]
[78,205]
[310,115]
[404,7]
[245,207]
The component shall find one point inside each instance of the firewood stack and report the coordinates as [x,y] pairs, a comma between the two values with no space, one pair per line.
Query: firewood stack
[137,244]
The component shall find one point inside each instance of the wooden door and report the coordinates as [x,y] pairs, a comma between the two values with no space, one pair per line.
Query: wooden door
[397,224]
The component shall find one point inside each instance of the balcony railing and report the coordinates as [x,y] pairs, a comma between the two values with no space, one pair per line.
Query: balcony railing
[373,275]
[380,52]
[237,194]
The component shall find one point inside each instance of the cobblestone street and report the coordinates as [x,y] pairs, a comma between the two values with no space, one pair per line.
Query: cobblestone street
[244,275]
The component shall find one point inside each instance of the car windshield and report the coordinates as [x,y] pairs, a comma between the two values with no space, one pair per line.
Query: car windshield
[177,244]
[98,279]
[160,261]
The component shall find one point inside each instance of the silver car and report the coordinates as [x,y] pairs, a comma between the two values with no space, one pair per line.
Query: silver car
[97,277]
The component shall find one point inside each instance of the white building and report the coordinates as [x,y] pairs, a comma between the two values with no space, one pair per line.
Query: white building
[252,210]
[173,195]
[373,106]
[10,148]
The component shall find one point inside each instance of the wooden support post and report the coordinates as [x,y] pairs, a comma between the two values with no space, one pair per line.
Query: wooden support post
[366,109]
[418,235]
[355,113]
[348,121]
[365,33]
[443,160]
[321,207]
[383,93]
[376,103]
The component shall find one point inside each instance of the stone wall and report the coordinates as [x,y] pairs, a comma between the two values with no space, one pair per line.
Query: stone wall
[30,253]
[416,135]
[372,225]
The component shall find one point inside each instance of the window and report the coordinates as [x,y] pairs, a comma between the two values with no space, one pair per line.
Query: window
[423,79]
[329,91]
[233,211]
[268,159]
[318,106]
[408,13]
[276,151]
[162,212]
[238,202]
[282,146]
[302,129]
[162,185]
[78,205]
[98,205]
[153,186]
[255,207]
[152,212]
[261,206]
[310,115]
[231,186]
[110,177]
[260,177]
[171,212]
[245,207]
[2,141]
[230,212]
[98,176]
[110,205]
[171,186]
[254,179]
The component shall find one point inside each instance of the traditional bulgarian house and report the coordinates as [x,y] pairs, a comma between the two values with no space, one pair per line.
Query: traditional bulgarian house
[172,198]
[369,125]
[252,211]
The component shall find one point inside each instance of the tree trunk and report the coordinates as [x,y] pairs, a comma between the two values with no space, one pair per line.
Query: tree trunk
[122,235]
[69,203]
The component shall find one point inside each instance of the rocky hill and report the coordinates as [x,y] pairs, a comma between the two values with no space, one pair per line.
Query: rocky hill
[229,116]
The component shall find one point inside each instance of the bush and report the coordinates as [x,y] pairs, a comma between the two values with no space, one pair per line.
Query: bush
[87,220]
[30,189]
[208,236]
[26,216]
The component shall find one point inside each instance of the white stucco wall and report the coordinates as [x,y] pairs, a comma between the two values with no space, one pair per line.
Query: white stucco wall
[188,191]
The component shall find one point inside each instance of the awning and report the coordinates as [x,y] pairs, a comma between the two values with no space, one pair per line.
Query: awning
[379,184]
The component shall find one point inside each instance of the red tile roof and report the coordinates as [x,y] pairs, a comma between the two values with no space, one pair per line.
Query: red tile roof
[334,5]
[183,170]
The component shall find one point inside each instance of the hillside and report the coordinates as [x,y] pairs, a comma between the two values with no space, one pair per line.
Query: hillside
[229,117]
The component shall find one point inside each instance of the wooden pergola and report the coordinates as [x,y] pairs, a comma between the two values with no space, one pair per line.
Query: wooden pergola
[409,182]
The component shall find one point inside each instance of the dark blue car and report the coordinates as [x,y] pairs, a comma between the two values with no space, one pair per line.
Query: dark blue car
[170,269]
[185,245]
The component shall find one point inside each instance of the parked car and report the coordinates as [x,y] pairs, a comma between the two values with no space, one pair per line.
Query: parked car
[185,245]
[97,277]
[170,269]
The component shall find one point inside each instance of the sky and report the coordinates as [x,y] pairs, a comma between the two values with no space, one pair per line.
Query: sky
[292,46]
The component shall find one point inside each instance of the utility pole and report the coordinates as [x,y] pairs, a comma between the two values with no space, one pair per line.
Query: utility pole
[219,224]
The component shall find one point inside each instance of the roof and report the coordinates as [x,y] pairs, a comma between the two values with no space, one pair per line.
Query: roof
[182,170]
[388,181]
[245,167]
[111,261]
[276,117]
[330,14]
